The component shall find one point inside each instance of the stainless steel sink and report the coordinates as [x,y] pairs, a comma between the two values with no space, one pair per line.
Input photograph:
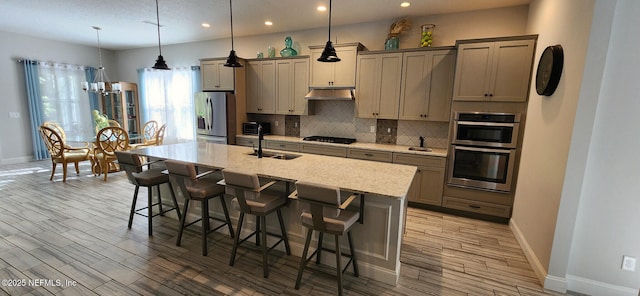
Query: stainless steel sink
[276,155]
[420,149]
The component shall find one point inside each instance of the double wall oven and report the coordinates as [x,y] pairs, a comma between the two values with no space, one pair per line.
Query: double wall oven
[483,150]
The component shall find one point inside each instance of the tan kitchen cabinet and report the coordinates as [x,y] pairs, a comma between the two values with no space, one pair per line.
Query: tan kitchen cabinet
[429,180]
[339,75]
[215,76]
[323,149]
[494,70]
[373,155]
[292,84]
[378,85]
[282,145]
[261,86]
[427,81]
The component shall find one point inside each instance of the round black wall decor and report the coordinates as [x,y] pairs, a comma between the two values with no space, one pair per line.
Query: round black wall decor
[549,70]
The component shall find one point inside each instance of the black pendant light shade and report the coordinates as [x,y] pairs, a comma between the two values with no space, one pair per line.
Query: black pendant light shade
[232,60]
[160,63]
[329,53]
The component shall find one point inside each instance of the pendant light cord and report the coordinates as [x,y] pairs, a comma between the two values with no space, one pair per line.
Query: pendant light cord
[99,49]
[329,20]
[231,14]
[158,23]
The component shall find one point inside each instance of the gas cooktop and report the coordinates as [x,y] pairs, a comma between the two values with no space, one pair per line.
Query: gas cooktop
[329,139]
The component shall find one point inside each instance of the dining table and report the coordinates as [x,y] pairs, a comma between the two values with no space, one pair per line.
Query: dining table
[384,188]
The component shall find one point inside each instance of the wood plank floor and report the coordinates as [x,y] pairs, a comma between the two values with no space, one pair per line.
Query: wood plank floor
[76,233]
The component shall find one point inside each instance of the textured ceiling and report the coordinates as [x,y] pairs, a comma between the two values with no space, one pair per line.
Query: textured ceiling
[125,23]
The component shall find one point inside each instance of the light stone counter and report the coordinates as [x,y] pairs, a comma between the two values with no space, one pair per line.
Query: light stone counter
[385,187]
[440,152]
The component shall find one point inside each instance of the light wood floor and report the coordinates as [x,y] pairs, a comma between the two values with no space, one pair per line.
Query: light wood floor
[77,233]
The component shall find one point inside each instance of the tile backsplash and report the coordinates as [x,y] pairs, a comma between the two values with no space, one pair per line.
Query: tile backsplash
[337,119]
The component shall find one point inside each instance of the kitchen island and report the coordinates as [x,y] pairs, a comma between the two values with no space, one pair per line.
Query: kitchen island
[385,187]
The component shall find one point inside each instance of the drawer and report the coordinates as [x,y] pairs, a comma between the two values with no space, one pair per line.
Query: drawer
[279,145]
[324,150]
[419,160]
[476,207]
[382,156]
[246,142]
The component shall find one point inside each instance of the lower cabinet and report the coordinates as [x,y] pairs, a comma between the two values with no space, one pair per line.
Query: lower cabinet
[281,145]
[477,206]
[374,155]
[324,150]
[429,181]
[250,142]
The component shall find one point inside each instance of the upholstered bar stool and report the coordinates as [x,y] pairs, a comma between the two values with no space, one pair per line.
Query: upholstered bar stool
[193,187]
[249,199]
[138,176]
[326,215]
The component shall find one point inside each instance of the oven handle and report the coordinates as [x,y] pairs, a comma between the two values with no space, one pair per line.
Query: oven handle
[486,123]
[477,149]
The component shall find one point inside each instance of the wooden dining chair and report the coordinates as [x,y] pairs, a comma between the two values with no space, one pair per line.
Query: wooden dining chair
[160,134]
[61,153]
[149,135]
[109,140]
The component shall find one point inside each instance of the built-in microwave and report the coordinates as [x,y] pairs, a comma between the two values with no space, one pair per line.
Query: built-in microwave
[251,128]
[486,129]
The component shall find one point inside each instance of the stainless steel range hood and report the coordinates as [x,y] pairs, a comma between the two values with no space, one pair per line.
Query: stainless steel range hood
[344,94]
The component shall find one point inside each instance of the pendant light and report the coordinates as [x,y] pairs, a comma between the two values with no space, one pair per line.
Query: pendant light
[160,63]
[99,84]
[232,60]
[329,53]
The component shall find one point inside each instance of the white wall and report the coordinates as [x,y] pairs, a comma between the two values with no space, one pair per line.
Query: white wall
[15,139]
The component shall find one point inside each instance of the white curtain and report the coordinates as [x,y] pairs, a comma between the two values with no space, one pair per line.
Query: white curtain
[64,101]
[168,99]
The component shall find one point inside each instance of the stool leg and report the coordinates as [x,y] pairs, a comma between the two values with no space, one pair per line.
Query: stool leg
[149,208]
[338,265]
[236,240]
[182,221]
[258,231]
[303,260]
[226,215]
[284,232]
[175,202]
[265,257]
[205,225]
[320,236]
[159,199]
[133,205]
[353,255]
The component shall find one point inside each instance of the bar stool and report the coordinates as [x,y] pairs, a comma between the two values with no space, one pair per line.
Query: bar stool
[137,175]
[249,199]
[326,215]
[193,187]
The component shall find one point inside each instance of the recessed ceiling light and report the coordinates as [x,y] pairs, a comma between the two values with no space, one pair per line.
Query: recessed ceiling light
[205,25]
[405,4]
[322,8]
[268,23]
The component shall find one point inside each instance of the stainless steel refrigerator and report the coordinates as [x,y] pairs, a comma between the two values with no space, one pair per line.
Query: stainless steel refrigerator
[215,117]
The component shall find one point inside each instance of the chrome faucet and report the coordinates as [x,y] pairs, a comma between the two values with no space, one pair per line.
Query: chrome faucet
[260,138]
[421,142]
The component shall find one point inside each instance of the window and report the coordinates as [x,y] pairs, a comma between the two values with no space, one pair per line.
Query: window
[167,97]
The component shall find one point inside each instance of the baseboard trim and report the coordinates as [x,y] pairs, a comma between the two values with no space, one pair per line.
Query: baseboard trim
[16,160]
[555,283]
[591,287]
[538,269]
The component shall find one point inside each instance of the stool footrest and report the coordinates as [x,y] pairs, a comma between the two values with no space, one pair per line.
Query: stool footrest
[137,211]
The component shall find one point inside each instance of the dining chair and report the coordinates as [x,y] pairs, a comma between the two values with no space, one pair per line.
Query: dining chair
[327,214]
[195,187]
[133,166]
[109,140]
[249,198]
[61,153]
[160,134]
[149,134]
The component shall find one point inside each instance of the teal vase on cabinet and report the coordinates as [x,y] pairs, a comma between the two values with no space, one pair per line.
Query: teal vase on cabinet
[392,42]
[288,51]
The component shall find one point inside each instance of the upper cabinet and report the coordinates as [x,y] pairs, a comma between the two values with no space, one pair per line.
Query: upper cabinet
[339,75]
[427,81]
[261,86]
[378,85]
[496,70]
[215,76]
[292,84]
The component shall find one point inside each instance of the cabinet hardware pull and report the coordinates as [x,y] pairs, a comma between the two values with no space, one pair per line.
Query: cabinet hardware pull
[368,154]
[474,206]
[282,145]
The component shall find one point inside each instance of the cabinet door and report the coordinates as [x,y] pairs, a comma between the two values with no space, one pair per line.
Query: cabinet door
[321,73]
[367,94]
[268,87]
[438,105]
[389,86]
[473,71]
[431,185]
[217,77]
[284,86]
[344,74]
[225,77]
[416,85]
[300,77]
[253,87]
[511,74]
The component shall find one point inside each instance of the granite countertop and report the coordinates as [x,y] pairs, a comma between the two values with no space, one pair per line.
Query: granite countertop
[361,176]
[439,152]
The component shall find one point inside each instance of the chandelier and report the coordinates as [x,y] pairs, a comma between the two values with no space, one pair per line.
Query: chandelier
[99,84]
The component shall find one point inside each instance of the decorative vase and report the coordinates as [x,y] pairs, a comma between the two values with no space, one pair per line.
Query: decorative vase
[271,52]
[427,35]
[288,51]
[392,42]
